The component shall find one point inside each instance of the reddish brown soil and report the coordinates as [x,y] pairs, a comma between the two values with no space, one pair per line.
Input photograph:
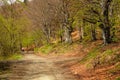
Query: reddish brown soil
[98,73]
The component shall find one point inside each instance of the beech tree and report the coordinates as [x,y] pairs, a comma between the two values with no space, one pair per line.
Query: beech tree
[68,10]
[67,14]
[43,16]
[98,12]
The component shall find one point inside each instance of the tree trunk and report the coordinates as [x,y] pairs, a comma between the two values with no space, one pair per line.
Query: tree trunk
[93,33]
[61,34]
[80,36]
[25,1]
[105,26]
[82,32]
[47,32]
[68,37]
[106,35]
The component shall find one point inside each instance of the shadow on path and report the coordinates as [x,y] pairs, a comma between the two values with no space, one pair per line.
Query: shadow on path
[33,67]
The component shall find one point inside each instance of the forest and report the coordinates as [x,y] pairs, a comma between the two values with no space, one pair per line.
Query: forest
[87,28]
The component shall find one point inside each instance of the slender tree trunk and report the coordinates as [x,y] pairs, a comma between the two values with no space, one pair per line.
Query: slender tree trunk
[47,32]
[48,36]
[80,36]
[68,37]
[61,34]
[93,33]
[83,30]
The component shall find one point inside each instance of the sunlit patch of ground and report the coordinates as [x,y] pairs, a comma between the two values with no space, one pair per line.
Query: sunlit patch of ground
[45,77]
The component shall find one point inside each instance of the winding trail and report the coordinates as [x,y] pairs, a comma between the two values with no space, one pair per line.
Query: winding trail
[33,67]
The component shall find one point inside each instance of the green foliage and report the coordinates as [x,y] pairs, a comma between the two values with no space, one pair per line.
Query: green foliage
[117,78]
[11,29]
[14,56]
[96,57]
[110,56]
[91,55]
[115,69]
[115,39]
[57,48]
[60,32]
[61,48]
[108,52]
[28,39]
[46,49]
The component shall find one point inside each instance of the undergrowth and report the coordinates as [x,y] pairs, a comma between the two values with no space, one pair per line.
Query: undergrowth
[15,56]
[115,69]
[117,78]
[57,48]
[98,57]
[92,54]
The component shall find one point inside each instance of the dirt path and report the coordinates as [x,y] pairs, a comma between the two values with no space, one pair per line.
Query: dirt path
[33,67]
